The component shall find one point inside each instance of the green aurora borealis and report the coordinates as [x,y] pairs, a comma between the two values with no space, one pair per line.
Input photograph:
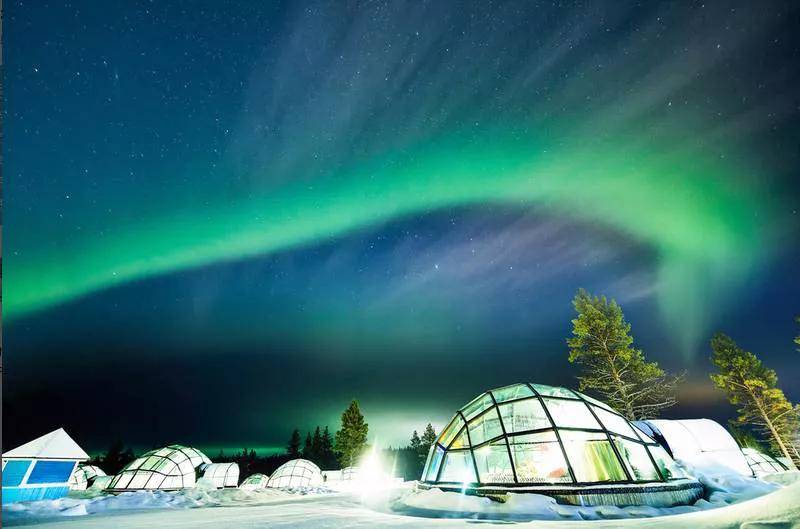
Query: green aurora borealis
[704,230]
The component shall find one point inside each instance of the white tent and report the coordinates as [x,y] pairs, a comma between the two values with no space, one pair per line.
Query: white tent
[701,443]
[222,475]
[41,469]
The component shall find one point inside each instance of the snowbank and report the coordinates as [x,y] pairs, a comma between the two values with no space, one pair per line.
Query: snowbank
[723,487]
[81,503]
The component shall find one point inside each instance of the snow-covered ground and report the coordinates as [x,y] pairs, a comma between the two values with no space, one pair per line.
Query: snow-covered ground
[730,502]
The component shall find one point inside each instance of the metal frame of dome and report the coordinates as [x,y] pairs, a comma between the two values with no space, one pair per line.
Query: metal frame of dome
[519,423]
[172,467]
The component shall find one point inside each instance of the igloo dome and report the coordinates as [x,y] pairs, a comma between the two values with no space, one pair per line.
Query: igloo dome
[170,468]
[296,473]
[554,441]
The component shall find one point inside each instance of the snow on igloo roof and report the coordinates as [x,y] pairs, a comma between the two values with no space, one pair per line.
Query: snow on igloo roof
[532,434]
[171,467]
[296,473]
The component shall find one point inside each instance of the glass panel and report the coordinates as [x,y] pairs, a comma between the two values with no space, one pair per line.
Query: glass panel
[477,406]
[643,436]
[614,423]
[485,427]
[596,402]
[669,469]
[136,463]
[51,472]
[636,459]
[517,391]
[538,458]
[433,464]
[462,441]
[14,471]
[571,414]
[554,392]
[450,432]
[523,415]
[493,463]
[592,457]
[458,467]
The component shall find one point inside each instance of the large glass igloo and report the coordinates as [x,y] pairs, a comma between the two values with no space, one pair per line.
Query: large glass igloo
[170,468]
[296,473]
[555,441]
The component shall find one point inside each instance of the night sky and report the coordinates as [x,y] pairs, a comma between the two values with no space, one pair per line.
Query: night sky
[225,221]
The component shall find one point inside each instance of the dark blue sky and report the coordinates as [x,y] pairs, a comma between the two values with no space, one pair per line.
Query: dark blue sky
[136,135]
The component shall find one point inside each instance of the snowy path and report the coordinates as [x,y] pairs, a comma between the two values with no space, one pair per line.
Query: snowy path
[778,510]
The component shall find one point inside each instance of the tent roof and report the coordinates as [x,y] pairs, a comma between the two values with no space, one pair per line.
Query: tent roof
[54,445]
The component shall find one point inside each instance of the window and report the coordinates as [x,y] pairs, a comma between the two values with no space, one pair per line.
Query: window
[457,467]
[571,414]
[538,458]
[614,423]
[523,415]
[592,457]
[669,469]
[517,391]
[493,463]
[635,457]
[14,471]
[51,472]
[485,427]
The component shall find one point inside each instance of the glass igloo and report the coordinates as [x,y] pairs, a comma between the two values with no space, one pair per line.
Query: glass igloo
[762,463]
[170,468]
[555,441]
[222,475]
[84,476]
[296,473]
[255,482]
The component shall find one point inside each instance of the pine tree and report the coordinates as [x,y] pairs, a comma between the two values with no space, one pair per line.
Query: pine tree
[351,440]
[415,443]
[308,447]
[328,456]
[293,448]
[428,438]
[316,447]
[602,346]
[752,387]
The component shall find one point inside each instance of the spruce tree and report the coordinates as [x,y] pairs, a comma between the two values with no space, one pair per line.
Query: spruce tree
[328,455]
[351,439]
[428,438]
[415,443]
[611,367]
[316,447]
[307,447]
[753,389]
[293,448]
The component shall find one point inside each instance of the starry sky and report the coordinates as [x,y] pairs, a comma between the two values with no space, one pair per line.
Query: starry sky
[224,221]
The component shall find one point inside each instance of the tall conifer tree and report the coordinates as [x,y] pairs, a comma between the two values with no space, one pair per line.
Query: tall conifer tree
[351,439]
[753,389]
[611,367]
